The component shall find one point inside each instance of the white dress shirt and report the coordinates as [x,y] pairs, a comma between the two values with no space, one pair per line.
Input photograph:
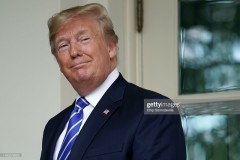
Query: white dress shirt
[93,98]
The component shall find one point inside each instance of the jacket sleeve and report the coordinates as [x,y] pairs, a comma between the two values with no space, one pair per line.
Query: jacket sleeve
[159,137]
[44,143]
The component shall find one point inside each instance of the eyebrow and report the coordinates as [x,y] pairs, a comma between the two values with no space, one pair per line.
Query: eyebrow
[59,40]
[82,32]
[79,33]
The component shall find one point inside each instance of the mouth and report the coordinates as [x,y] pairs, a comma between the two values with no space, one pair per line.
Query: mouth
[79,65]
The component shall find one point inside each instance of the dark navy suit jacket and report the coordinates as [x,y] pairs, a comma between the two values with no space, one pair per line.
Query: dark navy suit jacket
[125,133]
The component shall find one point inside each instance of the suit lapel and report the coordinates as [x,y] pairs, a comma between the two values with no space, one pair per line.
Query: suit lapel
[60,125]
[108,104]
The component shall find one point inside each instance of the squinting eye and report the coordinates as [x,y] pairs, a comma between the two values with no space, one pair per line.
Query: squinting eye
[84,39]
[62,47]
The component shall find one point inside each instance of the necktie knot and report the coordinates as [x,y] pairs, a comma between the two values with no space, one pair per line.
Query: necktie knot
[81,103]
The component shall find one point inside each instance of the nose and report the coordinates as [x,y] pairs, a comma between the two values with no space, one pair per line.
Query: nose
[74,50]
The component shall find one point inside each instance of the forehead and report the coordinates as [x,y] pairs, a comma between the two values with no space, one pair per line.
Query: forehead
[78,27]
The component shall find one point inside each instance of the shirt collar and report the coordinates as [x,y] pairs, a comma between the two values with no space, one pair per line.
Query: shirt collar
[94,97]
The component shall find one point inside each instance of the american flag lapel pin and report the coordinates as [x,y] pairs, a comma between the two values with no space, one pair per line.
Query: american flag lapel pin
[106,111]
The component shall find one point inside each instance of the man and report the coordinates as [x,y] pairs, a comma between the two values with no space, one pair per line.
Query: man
[112,125]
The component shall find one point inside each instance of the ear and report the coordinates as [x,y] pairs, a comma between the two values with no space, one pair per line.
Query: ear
[112,50]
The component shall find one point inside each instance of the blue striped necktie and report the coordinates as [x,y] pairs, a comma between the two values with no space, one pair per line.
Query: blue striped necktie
[74,124]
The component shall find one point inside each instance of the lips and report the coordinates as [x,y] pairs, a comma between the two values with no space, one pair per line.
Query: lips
[79,65]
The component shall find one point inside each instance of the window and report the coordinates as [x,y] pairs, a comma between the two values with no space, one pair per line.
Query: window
[209,46]
[209,63]
[212,130]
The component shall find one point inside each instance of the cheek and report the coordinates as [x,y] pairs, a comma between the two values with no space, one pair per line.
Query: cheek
[61,62]
[101,60]
[103,55]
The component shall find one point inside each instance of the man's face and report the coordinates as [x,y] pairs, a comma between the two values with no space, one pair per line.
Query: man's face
[83,54]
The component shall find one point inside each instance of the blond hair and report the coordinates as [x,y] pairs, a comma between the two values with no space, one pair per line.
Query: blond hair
[93,10]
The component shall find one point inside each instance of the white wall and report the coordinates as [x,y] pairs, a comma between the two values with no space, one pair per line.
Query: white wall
[160,42]
[30,79]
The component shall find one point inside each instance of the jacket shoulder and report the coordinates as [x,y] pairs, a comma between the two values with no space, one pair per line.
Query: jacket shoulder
[135,91]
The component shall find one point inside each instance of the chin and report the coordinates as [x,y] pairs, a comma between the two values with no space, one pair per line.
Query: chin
[77,77]
[82,77]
